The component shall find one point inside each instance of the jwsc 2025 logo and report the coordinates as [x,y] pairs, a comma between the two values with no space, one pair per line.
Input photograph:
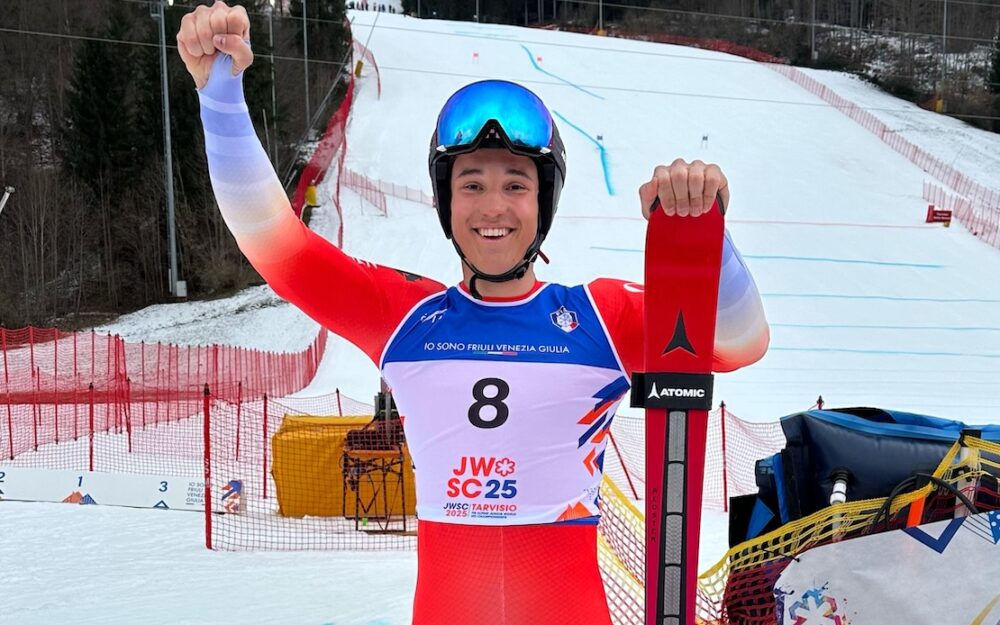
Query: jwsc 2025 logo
[482,477]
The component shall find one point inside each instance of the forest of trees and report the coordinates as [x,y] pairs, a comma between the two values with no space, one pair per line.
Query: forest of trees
[81,131]
[83,237]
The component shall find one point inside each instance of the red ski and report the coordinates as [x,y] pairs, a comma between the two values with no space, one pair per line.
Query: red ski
[683,262]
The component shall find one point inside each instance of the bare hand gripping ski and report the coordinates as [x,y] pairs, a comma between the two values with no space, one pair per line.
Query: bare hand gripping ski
[683,262]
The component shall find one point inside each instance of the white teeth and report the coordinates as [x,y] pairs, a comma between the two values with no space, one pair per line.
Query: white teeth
[493,232]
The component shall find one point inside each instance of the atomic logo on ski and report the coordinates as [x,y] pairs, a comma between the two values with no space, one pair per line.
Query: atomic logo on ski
[667,393]
[680,339]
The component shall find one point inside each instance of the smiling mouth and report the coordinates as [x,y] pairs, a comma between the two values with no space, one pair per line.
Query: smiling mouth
[493,234]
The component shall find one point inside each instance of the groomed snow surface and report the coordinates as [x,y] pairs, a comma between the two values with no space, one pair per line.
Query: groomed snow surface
[867,304]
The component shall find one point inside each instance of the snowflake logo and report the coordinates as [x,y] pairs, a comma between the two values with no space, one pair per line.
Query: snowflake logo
[504,467]
[822,611]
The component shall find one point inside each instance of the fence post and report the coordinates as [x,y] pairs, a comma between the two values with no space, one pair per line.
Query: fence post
[76,389]
[239,365]
[6,385]
[187,380]
[107,381]
[156,412]
[265,385]
[178,385]
[215,365]
[55,381]
[3,345]
[725,459]
[113,344]
[128,412]
[90,451]
[234,367]
[142,379]
[207,435]
[239,411]
[340,408]
[122,380]
[263,372]
[34,387]
[264,447]
[35,416]
[168,382]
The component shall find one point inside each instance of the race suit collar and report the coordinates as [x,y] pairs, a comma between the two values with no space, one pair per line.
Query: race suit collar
[514,298]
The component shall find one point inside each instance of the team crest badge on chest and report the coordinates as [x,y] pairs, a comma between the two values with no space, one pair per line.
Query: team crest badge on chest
[565,320]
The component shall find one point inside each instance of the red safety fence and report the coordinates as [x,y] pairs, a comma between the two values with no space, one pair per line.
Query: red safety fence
[154,423]
[983,203]
[375,191]
[296,483]
[332,145]
[367,188]
[61,386]
[289,456]
[983,224]
[733,446]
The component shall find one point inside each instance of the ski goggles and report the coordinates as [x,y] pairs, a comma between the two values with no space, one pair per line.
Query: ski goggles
[474,112]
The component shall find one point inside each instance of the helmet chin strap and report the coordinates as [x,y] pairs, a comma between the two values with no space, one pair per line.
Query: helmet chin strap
[514,273]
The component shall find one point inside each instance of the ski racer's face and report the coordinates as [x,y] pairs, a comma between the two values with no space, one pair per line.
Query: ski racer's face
[494,207]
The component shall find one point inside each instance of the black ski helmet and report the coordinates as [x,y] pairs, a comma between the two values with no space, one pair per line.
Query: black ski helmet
[498,114]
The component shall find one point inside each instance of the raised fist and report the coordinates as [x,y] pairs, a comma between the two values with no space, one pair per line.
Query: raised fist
[206,31]
[685,189]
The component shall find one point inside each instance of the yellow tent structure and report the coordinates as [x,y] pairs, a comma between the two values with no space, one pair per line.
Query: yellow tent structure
[308,462]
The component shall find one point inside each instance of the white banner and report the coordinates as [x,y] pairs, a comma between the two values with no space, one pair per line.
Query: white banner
[944,573]
[106,489]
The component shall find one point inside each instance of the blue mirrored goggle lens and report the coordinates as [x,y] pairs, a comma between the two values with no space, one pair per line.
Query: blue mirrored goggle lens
[519,112]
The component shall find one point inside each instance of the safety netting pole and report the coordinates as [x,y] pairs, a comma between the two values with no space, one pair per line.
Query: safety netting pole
[207,436]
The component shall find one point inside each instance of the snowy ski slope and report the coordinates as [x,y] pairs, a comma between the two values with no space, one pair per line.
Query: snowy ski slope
[868,304]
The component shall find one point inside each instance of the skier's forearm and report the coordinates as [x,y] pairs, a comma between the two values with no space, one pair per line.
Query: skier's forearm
[741,330]
[250,196]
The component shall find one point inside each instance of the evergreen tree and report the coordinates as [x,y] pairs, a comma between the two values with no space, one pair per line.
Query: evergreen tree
[325,19]
[994,76]
[99,152]
[99,137]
